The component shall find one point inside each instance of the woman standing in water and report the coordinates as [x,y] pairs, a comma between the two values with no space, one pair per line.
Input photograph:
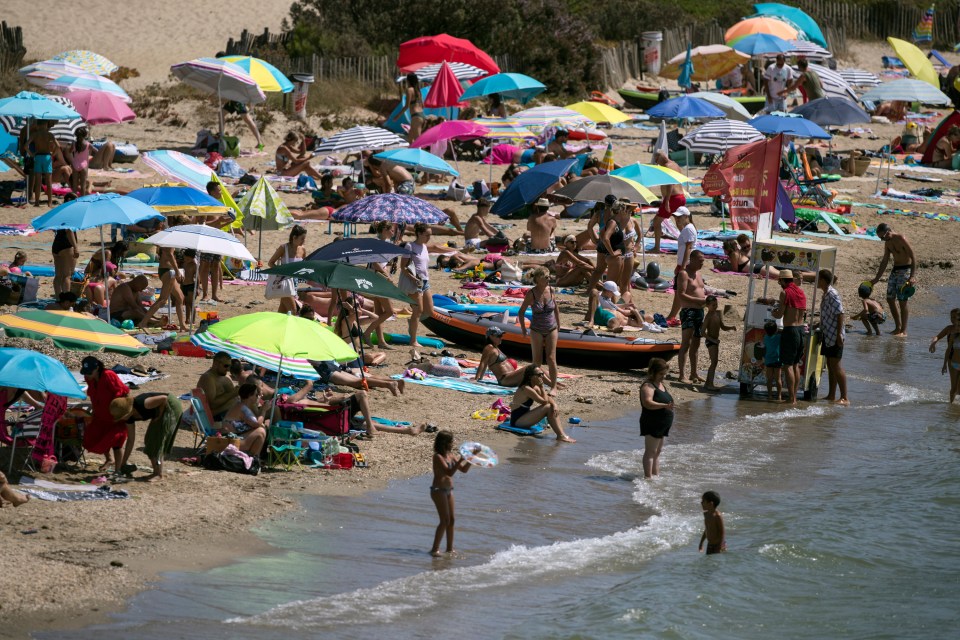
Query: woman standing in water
[656,416]
[951,359]
[445,464]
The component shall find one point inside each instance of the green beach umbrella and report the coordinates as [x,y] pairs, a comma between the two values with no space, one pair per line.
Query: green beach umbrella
[285,335]
[71,331]
[338,275]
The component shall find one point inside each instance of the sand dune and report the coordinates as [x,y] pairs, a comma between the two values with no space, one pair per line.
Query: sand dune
[146,36]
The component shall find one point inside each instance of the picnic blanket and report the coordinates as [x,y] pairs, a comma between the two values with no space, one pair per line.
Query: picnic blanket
[17,230]
[455,384]
[119,172]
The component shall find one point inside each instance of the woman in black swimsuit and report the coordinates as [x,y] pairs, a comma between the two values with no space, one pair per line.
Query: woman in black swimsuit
[497,362]
[522,412]
[656,416]
[65,255]
[414,107]
[445,464]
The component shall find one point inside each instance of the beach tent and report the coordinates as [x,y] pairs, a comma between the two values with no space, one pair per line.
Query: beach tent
[952,119]
[399,116]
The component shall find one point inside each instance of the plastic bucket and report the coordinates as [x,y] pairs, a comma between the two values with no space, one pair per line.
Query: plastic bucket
[652,42]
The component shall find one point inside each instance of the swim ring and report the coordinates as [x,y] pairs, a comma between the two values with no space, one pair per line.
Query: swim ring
[479,455]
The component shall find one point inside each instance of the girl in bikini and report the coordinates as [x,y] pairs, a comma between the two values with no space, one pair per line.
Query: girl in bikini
[78,154]
[292,158]
[522,412]
[504,368]
[445,464]
[544,323]
[951,359]
[414,107]
[170,279]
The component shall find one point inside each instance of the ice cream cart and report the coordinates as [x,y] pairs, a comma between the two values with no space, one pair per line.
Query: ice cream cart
[762,296]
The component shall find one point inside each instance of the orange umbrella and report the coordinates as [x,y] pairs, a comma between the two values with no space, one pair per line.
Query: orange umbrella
[750,26]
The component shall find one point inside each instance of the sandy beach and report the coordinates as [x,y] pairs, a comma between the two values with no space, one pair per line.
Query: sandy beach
[82,560]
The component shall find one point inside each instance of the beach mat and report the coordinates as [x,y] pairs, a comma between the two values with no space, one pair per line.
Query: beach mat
[459,384]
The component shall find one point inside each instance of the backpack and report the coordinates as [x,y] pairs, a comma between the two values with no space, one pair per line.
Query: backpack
[230,460]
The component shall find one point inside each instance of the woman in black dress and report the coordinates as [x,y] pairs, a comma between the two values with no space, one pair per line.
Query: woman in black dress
[656,416]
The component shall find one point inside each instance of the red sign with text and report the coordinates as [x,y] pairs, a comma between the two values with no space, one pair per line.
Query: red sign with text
[746,178]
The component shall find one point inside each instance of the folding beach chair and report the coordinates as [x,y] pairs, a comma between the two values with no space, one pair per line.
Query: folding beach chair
[286,447]
[37,430]
[202,426]
[811,190]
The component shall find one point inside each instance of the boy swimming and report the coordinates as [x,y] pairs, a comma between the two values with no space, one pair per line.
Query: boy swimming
[713,531]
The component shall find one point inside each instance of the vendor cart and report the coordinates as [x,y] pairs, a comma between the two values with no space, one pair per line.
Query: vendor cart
[763,293]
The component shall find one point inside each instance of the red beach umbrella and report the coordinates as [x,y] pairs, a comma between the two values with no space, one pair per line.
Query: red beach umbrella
[445,90]
[426,50]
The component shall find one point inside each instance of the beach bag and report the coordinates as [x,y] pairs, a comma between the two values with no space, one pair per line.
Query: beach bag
[509,271]
[228,168]
[230,147]
[281,286]
[205,140]
[456,191]
[231,459]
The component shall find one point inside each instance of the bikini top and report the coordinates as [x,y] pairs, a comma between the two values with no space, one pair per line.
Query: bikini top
[501,357]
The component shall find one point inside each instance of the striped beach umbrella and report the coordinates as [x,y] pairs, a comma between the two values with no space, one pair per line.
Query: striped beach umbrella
[88,83]
[907,90]
[859,78]
[62,130]
[40,73]
[461,71]
[268,77]
[607,165]
[88,60]
[596,188]
[761,24]
[179,166]
[834,86]
[717,136]
[299,368]
[218,77]
[263,208]
[504,129]
[360,138]
[71,331]
[808,49]
[390,207]
[179,198]
[547,115]
[287,336]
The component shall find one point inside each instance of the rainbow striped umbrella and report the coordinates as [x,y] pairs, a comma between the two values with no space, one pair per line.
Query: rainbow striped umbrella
[540,117]
[268,77]
[219,77]
[179,166]
[71,331]
[88,83]
[299,368]
[40,73]
[88,60]
[504,128]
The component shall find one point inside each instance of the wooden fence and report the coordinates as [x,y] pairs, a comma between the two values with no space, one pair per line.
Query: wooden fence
[883,19]
[11,48]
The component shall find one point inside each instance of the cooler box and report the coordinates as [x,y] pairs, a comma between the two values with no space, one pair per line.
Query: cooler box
[331,420]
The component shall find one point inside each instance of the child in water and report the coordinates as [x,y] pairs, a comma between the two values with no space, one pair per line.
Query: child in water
[872,314]
[445,464]
[771,358]
[712,324]
[713,531]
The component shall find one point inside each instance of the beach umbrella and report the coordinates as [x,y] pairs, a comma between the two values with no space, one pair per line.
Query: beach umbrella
[268,77]
[757,44]
[201,238]
[833,84]
[98,107]
[87,60]
[40,73]
[761,24]
[508,85]
[418,160]
[359,251]
[34,371]
[710,62]
[286,335]
[179,166]
[62,130]
[732,109]
[504,129]
[686,70]
[451,130]
[907,90]
[796,17]
[360,138]
[859,78]
[8,144]
[916,61]
[28,104]
[809,50]
[530,185]
[791,125]
[596,188]
[263,209]
[179,198]
[607,164]
[427,50]
[299,368]
[716,136]
[445,90]
[651,175]
[390,207]
[340,275]
[96,210]
[599,112]
[71,331]
[832,112]
[461,71]
[67,83]
[540,117]
[684,107]
[221,78]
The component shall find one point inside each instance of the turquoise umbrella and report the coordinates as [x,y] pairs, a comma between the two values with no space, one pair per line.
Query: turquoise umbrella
[418,160]
[28,104]
[509,85]
[34,371]
[797,17]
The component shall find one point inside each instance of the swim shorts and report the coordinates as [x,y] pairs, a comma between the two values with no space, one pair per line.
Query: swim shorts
[691,318]
[406,188]
[898,277]
[791,346]
[667,207]
[602,317]
[835,351]
[43,163]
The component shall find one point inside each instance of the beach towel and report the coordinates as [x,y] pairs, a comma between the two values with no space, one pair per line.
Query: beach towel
[17,230]
[460,384]
[99,493]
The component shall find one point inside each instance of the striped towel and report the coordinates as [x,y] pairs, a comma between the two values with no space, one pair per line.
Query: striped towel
[459,384]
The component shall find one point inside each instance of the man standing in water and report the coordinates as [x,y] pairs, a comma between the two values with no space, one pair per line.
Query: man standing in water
[832,320]
[902,274]
[791,307]
[692,298]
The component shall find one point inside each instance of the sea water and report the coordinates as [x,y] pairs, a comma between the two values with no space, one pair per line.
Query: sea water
[841,522]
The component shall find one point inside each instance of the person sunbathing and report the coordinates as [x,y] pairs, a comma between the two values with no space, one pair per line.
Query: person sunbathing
[607,313]
[349,375]
[292,157]
[503,368]
[356,402]
[943,151]
[570,267]
[462,263]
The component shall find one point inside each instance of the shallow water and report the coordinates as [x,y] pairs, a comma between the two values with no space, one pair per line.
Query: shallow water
[840,523]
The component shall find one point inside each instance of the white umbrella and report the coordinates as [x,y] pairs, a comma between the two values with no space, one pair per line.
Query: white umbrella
[201,238]
[907,90]
[733,109]
[717,136]
[360,139]
[834,86]
[810,50]
[859,78]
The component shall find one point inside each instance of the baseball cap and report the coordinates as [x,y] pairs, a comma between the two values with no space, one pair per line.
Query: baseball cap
[681,211]
[786,274]
[612,287]
[89,365]
[494,331]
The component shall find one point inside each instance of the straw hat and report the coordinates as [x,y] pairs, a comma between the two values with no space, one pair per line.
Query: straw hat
[121,408]
[786,274]
[543,202]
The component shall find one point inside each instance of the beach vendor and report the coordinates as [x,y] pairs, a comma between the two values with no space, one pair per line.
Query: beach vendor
[106,433]
[163,410]
[902,276]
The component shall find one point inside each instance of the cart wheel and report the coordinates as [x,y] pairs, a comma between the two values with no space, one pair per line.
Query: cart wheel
[744,390]
[810,393]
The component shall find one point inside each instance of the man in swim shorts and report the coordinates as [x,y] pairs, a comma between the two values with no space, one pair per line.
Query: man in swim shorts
[792,308]
[44,146]
[832,320]
[671,199]
[903,273]
[125,300]
[693,298]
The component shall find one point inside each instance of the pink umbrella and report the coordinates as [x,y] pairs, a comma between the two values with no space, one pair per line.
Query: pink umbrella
[98,107]
[450,130]
[445,90]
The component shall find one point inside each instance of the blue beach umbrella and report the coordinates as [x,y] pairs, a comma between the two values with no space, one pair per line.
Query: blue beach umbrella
[182,198]
[530,185]
[684,108]
[28,104]
[760,43]
[359,251]
[686,70]
[508,85]
[34,371]
[797,17]
[8,144]
[832,112]
[418,160]
[790,125]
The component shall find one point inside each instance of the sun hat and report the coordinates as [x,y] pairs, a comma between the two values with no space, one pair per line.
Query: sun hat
[543,202]
[494,331]
[612,287]
[681,211]
[121,407]
[786,274]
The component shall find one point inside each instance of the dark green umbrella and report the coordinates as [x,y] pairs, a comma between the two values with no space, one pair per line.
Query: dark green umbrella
[338,275]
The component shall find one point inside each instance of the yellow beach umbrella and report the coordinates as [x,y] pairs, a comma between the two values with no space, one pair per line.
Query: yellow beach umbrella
[751,26]
[599,112]
[710,62]
[916,61]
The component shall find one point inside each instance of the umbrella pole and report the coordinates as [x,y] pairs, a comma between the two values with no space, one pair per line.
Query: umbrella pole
[643,241]
[106,274]
[273,405]
[221,121]
[356,312]
[880,172]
